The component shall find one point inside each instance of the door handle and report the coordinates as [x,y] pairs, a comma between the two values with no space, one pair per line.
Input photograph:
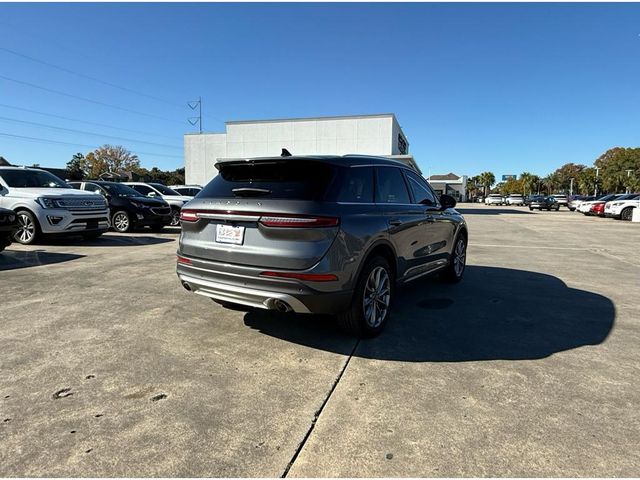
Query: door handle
[395,223]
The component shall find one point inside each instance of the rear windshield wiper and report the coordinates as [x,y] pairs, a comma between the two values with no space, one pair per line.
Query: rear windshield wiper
[250,192]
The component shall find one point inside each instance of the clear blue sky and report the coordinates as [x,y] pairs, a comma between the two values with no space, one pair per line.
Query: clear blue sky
[500,87]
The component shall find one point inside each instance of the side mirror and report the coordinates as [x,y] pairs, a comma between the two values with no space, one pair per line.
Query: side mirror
[151,194]
[447,201]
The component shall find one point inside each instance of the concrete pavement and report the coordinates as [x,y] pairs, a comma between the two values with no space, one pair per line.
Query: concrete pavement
[529,367]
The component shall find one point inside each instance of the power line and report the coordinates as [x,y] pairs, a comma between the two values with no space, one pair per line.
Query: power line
[104,125]
[88,77]
[57,142]
[98,80]
[83,132]
[32,85]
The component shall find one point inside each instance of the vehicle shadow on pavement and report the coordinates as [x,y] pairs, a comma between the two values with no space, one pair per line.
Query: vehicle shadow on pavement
[12,260]
[493,211]
[119,240]
[493,314]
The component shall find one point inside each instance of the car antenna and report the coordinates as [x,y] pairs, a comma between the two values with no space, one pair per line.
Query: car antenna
[285,153]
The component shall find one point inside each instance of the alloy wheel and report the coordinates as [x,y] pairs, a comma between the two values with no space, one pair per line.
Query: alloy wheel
[26,229]
[175,218]
[121,222]
[459,257]
[627,213]
[377,297]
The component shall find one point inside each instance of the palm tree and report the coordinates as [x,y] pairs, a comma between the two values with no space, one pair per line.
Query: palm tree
[550,182]
[527,182]
[486,180]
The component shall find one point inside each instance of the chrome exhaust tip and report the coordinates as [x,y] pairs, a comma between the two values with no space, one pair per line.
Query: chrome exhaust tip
[187,287]
[280,305]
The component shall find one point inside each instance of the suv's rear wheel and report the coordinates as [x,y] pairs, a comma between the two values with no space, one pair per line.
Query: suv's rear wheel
[28,229]
[371,303]
[454,272]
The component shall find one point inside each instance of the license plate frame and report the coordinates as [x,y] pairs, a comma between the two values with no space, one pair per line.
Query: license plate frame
[229,234]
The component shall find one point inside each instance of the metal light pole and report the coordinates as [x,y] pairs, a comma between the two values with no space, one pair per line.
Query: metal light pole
[571,188]
[595,193]
[628,175]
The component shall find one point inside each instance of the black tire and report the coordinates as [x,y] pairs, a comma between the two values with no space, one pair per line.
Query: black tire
[454,272]
[530,208]
[626,214]
[557,209]
[121,222]
[29,231]
[175,217]
[353,320]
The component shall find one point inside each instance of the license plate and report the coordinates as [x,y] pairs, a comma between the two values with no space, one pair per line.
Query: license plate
[229,234]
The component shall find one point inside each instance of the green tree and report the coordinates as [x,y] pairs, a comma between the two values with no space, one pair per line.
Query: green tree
[587,181]
[565,173]
[76,167]
[111,158]
[619,169]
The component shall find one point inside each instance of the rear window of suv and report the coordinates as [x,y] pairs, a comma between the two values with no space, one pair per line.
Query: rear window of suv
[287,179]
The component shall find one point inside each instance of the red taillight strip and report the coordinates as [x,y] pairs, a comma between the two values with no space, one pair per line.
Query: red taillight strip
[309,277]
[188,215]
[266,219]
[294,221]
[183,260]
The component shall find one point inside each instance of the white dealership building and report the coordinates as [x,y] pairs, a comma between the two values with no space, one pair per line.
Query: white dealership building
[379,135]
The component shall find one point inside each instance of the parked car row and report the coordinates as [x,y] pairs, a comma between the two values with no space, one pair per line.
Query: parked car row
[41,204]
[618,206]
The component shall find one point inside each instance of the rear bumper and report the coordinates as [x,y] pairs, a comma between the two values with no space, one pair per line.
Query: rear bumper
[244,286]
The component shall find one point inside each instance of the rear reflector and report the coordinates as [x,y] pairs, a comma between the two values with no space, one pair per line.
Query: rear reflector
[184,261]
[309,277]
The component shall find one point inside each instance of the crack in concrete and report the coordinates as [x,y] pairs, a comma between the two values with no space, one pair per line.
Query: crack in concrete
[316,416]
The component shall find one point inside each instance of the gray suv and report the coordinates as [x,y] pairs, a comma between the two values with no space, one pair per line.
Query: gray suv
[327,235]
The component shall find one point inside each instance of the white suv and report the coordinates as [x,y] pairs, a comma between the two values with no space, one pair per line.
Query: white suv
[45,205]
[622,207]
[515,199]
[494,199]
[173,198]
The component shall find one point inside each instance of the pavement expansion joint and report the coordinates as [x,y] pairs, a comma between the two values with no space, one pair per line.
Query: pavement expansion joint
[316,416]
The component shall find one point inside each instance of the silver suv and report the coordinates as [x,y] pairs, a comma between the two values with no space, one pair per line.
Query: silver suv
[330,235]
[45,205]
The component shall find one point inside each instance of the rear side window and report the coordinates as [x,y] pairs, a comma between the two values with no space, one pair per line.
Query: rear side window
[391,187]
[143,189]
[287,179]
[421,193]
[356,185]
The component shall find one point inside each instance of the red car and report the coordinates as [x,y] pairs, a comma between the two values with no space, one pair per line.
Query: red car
[597,209]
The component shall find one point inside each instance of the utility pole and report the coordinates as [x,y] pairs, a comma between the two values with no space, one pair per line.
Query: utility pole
[571,188]
[628,175]
[595,193]
[196,120]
